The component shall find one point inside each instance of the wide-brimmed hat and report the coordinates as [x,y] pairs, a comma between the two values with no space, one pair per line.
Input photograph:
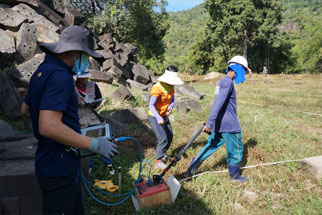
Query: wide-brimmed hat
[171,78]
[73,38]
[84,75]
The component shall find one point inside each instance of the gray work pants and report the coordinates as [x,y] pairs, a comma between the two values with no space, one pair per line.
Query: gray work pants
[163,133]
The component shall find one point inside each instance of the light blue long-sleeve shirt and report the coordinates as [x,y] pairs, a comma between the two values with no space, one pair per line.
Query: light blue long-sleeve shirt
[223,113]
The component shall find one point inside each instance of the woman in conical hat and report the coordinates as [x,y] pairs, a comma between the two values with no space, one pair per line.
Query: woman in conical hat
[161,104]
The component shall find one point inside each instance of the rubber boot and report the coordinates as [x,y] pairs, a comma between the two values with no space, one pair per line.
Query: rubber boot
[193,167]
[234,173]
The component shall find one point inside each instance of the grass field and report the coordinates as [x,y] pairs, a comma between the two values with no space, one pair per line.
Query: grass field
[281,119]
[288,126]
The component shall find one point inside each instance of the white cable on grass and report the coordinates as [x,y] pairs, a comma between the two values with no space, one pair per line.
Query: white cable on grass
[245,167]
[317,114]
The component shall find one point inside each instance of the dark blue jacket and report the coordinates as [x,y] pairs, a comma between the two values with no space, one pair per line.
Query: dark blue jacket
[223,113]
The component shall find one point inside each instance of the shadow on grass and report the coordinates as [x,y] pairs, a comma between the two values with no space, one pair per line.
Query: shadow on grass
[250,143]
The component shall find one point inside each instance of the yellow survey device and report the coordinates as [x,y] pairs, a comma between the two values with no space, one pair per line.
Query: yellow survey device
[106,185]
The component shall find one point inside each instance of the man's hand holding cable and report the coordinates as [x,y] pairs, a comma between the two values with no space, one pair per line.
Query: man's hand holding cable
[103,146]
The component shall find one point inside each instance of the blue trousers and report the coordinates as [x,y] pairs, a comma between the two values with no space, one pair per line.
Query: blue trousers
[163,133]
[234,146]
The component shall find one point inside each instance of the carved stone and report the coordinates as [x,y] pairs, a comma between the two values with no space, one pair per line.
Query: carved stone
[10,19]
[99,76]
[38,20]
[141,74]
[137,85]
[10,101]
[190,91]
[27,41]
[122,93]
[129,115]
[7,48]
[73,17]
[23,72]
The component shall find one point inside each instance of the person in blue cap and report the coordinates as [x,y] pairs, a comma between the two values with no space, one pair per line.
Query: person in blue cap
[223,125]
[52,104]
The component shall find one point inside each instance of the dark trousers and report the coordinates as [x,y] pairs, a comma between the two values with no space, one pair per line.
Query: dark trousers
[163,134]
[62,195]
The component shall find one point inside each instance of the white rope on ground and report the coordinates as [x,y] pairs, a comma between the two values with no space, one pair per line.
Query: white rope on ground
[245,167]
[317,114]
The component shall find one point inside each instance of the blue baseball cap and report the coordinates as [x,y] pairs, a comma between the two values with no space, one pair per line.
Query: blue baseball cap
[239,72]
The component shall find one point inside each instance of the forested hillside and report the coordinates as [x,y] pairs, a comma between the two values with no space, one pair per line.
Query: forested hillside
[299,47]
[186,28]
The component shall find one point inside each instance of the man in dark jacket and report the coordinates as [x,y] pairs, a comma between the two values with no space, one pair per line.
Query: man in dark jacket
[223,125]
[52,104]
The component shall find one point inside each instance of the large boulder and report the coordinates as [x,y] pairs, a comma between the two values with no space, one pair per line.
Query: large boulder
[11,19]
[34,18]
[10,101]
[22,74]
[141,74]
[186,104]
[73,17]
[188,90]
[129,115]
[122,93]
[106,41]
[99,76]
[7,48]
[27,41]
[7,130]
[134,84]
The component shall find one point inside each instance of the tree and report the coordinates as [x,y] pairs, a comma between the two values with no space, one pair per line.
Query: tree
[142,23]
[307,52]
[237,26]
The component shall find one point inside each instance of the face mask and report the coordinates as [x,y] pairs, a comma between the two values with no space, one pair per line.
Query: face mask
[81,64]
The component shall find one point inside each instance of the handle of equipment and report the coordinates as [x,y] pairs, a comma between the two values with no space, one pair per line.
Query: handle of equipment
[157,179]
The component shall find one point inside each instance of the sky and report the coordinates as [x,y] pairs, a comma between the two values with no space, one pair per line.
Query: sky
[177,5]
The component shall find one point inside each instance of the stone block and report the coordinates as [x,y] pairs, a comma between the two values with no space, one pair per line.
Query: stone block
[7,48]
[212,75]
[23,72]
[134,84]
[45,35]
[35,18]
[99,76]
[118,128]
[106,41]
[107,54]
[141,74]
[186,104]
[27,41]
[122,93]
[7,130]
[73,17]
[189,91]
[10,205]
[315,164]
[18,180]
[49,13]
[192,104]
[10,101]
[11,20]
[181,106]
[145,97]
[94,65]
[129,115]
